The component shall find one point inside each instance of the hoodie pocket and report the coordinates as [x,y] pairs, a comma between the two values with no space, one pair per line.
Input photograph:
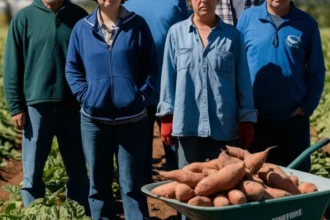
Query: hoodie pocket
[127,97]
[98,100]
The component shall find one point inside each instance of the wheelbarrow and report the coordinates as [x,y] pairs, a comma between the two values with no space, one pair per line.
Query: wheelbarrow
[309,206]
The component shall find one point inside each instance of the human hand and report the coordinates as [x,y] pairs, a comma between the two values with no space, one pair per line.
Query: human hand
[298,111]
[19,120]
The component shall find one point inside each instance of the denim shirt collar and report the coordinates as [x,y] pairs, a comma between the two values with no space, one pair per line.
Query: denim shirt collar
[220,24]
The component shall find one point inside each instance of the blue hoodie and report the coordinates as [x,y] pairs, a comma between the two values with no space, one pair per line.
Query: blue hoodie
[160,16]
[286,63]
[111,82]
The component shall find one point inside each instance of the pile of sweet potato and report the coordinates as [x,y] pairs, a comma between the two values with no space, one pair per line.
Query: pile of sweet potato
[235,177]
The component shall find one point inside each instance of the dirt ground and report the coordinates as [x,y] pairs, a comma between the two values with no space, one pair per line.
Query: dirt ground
[13,175]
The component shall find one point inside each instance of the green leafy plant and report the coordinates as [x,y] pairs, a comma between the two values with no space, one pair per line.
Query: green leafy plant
[9,141]
[50,207]
[320,164]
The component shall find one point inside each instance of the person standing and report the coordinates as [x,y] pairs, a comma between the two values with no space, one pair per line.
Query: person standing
[160,16]
[230,10]
[287,70]
[206,98]
[39,99]
[110,68]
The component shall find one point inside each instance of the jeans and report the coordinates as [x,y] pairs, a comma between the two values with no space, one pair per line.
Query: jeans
[128,142]
[170,154]
[43,122]
[291,136]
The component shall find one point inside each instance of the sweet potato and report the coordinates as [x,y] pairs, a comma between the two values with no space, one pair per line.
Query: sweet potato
[306,187]
[182,176]
[196,167]
[255,161]
[183,192]
[166,190]
[253,177]
[256,178]
[200,201]
[225,179]
[213,164]
[294,179]
[220,200]
[252,190]
[280,181]
[274,168]
[237,152]
[224,159]
[272,193]
[209,171]
[236,197]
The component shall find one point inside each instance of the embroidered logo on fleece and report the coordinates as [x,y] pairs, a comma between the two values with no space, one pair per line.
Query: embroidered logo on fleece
[292,41]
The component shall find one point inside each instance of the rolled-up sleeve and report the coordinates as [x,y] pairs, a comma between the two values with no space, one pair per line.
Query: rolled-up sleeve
[247,112]
[168,78]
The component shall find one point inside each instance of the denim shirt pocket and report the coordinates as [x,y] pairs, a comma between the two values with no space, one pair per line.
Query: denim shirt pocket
[224,62]
[184,59]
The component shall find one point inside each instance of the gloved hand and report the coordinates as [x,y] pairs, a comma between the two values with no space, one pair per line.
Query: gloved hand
[246,134]
[166,129]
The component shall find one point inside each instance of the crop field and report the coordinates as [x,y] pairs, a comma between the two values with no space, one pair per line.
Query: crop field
[54,206]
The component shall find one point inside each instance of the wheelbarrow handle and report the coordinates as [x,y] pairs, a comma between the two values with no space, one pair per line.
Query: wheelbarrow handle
[306,153]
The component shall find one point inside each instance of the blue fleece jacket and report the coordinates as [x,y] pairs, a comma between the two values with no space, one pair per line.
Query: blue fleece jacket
[111,82]
[160,15]
[286,63]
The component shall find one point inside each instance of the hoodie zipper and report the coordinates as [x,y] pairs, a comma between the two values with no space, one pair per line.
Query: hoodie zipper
[110,47]
[111,69]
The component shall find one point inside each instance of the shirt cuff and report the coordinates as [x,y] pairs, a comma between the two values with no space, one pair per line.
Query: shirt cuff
[248,115]
[163,109]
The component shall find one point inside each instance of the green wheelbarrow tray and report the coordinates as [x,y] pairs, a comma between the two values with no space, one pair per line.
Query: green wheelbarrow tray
[305,206]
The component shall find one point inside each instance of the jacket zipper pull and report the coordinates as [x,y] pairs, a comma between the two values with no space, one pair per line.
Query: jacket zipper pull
[275,40]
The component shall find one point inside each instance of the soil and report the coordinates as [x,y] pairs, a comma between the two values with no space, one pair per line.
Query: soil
[13,175]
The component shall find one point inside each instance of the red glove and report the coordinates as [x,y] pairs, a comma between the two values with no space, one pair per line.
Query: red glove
[246,134]
[166,129]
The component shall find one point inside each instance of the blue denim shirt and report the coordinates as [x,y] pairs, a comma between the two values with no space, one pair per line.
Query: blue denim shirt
[208,90]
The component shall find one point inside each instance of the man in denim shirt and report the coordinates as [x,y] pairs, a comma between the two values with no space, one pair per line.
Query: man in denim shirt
[206,91]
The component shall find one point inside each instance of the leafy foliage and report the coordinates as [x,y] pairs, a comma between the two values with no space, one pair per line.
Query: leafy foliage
[44,208]
[320,164]
[321,117]
[8,135]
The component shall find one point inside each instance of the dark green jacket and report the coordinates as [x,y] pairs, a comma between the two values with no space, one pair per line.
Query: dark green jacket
[35,54]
